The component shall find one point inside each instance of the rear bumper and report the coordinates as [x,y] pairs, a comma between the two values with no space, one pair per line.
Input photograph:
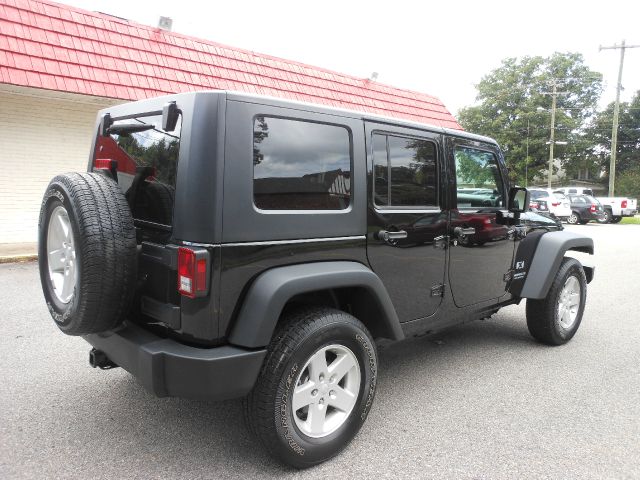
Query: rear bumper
[628,212]
[168,368]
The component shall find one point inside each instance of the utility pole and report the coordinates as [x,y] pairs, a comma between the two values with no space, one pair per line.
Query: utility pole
[553,131]
[616,113]
[526,162]
[554,97]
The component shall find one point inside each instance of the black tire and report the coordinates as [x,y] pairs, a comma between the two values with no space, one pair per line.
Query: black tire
[104,239]
[616,219]
[542,315]
[573,219]
[606,217]
[268,407]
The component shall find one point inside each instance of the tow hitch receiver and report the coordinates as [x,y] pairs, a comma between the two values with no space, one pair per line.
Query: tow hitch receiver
[99,359]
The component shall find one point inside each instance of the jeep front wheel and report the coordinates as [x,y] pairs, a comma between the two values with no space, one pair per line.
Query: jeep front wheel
[316,386]
[555,319]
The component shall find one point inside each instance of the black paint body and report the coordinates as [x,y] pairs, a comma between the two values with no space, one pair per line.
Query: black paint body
[434,277]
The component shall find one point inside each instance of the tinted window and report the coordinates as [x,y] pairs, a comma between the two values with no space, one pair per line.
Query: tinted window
[300,165]
[479,183]
[405,172]
[572,190]
[587,191]
[147,162]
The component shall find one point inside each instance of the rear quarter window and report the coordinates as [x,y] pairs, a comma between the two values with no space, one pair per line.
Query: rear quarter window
[300,165]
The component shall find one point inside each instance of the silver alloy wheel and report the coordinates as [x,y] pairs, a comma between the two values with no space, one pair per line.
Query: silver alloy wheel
[573,219]
[61,255]
[569,302]
[326,391]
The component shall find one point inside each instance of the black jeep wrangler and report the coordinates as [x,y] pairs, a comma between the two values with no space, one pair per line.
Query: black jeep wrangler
[229,245]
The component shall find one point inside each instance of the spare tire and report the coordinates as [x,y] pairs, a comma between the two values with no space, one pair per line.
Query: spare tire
[86,253]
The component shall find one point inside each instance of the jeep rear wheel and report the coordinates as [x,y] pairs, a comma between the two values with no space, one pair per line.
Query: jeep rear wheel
[555,319]
[616,219]
[86,253]
[316,386]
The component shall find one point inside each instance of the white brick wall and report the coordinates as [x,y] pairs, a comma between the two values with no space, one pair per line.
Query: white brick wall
[40,136]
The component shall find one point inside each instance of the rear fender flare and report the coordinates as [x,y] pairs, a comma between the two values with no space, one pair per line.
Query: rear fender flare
[271,290]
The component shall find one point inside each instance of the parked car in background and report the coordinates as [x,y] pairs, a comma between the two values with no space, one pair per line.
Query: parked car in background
[584,208]
[479,197]
[540,204]
[556,202]
[575,191]
[617,207]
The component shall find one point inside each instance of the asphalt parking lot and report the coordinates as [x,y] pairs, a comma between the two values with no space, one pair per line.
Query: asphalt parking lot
[480,401]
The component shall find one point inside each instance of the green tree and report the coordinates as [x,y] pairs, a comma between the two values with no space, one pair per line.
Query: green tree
[514,108]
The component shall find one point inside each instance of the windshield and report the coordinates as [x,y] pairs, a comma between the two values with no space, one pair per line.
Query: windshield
[147,161]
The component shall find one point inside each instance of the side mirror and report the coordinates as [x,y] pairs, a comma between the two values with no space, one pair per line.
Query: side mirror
[518,199]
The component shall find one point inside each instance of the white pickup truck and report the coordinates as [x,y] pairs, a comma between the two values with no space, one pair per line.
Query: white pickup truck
[617,207]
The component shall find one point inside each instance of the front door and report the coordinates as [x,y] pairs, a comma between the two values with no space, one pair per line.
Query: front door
[481,253]
[406,242]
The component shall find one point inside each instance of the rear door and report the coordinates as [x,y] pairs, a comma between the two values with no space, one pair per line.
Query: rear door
[407,223]
[482,250]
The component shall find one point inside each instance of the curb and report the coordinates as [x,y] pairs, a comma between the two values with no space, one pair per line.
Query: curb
[19,258]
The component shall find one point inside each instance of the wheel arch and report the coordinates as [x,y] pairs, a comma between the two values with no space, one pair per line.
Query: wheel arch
[274,289]
[550,250]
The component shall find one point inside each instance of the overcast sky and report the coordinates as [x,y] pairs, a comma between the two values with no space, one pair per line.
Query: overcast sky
[440,48]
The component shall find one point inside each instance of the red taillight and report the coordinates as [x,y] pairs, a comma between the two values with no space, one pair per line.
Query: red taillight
[593,207]
[533,204]
[192,272]
[201,275]
[623,204]
[555,204]
[186,272]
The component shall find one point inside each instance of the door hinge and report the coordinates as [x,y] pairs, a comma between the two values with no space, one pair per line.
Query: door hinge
[437,290]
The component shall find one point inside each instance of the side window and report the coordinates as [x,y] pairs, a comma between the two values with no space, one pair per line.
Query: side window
[300,165]
[572,190]
[405,172]
[479,182]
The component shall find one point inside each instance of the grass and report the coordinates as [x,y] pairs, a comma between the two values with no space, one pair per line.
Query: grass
[630,221]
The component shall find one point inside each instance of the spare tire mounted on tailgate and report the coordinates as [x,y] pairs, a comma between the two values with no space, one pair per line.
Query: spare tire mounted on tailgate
[87,253]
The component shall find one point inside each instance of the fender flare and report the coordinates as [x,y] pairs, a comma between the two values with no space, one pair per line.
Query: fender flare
[548,256]
[271,290]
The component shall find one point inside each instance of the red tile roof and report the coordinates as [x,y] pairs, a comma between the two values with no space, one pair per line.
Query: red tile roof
[53,46]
